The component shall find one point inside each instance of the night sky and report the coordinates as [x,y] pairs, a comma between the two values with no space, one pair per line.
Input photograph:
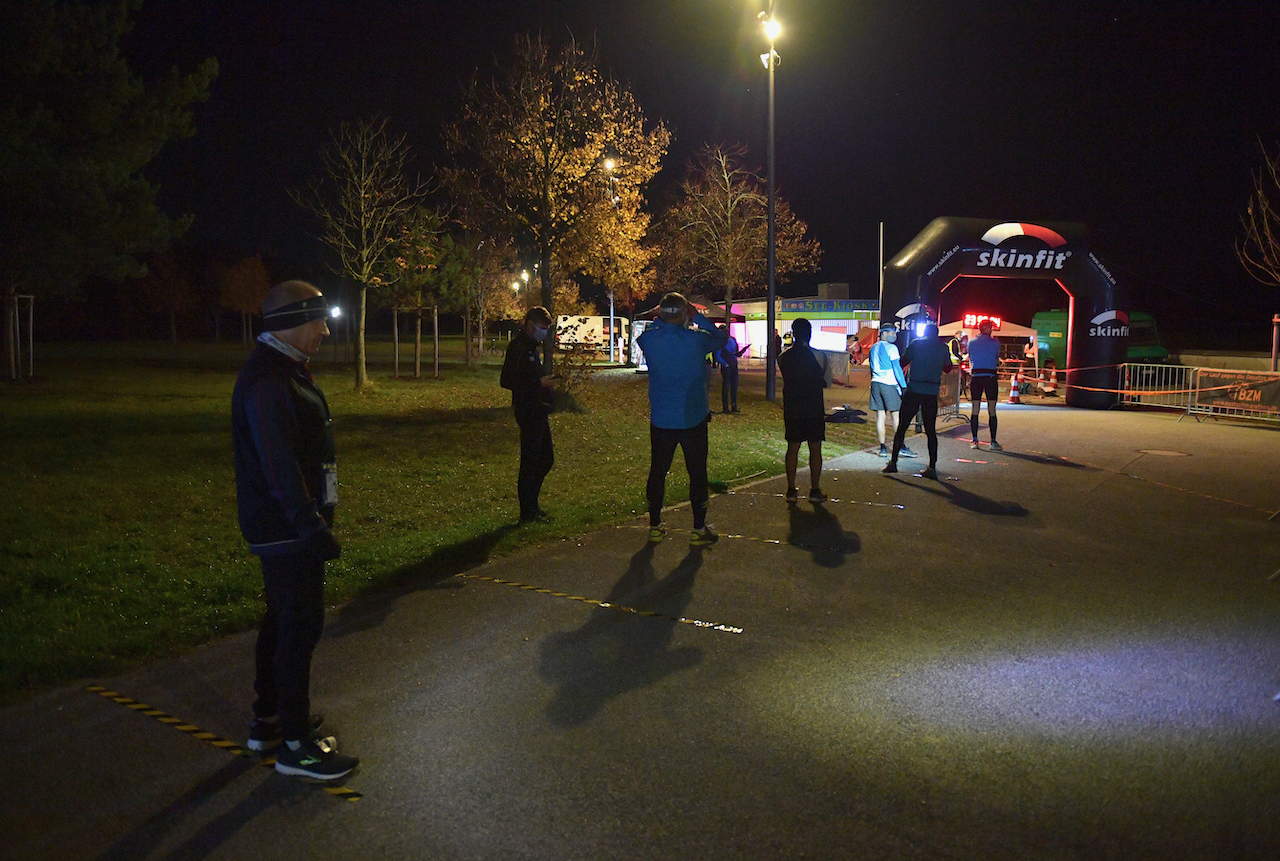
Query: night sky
[1141,120]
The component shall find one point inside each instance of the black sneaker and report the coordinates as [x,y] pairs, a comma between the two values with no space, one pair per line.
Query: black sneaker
[930,473]
[793,493]
[265,735]
[995,446]
[817,496]
[703,537]
[891,466]
[314,761]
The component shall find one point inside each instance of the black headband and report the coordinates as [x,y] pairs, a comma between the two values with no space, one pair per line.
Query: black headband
[295,314]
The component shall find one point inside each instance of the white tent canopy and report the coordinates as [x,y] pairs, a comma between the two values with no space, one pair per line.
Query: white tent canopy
[1006,330]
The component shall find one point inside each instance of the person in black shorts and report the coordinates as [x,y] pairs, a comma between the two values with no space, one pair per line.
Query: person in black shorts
[804,414]
[984,359]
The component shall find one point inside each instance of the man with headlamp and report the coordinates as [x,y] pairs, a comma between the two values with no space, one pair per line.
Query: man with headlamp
[286,490]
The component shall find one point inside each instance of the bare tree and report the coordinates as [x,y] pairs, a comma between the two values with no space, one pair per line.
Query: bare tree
[715,236]
[529,148]
[1259,251]
[361,202]
[418,255]
[490,296]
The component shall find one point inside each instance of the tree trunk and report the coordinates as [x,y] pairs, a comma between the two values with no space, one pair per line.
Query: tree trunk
[395,341]
[417,344]
[435,333]
[362,372]
[10,321]
[466,333]
[631,323]
[549,345]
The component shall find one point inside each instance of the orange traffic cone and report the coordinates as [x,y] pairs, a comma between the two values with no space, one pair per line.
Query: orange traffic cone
[1015,383]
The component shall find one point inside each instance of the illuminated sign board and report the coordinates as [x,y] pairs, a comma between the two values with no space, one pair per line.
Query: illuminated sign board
[972,321]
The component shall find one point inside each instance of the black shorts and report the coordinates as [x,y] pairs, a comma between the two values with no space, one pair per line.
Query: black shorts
[804,425]
[984,384]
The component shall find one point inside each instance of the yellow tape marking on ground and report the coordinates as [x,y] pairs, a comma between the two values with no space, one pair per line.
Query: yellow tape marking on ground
[697,623]
[195,732]
[829,501]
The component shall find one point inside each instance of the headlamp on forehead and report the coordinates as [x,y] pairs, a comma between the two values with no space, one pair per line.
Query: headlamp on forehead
[296,314]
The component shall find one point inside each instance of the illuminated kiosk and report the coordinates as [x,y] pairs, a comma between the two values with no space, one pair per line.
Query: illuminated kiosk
[952,248]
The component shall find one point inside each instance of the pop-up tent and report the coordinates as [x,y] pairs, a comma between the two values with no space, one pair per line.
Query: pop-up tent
[1006,330]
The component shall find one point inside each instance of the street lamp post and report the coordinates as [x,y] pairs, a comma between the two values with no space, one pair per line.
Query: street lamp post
[770,60]
[613,201]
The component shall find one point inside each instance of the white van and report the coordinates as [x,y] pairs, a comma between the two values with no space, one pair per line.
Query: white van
[590,333]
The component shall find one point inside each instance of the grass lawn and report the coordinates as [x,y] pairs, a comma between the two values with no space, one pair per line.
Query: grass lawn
[118,536]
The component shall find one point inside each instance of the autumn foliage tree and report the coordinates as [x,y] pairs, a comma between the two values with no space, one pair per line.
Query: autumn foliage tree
[241,287]
[529,149]
[715,238]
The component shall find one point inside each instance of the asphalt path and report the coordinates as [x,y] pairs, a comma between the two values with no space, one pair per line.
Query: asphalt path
[1067,650]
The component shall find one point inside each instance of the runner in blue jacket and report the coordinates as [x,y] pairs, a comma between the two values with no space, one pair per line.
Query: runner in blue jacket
[678,410]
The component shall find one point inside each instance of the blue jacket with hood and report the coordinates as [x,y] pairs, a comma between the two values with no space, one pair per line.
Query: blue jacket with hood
[677,359]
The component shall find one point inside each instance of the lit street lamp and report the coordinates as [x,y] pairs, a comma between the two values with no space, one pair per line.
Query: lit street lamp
[771,32]
[609,164]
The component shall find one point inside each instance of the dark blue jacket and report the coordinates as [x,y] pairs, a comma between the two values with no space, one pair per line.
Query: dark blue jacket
[926,360]
[522,374]
[286,480]
[677,360]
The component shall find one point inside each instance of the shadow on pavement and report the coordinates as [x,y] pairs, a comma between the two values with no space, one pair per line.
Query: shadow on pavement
[616,651]
[1046,460]
[816,529]
[432,572]
[144,839]
[962,498]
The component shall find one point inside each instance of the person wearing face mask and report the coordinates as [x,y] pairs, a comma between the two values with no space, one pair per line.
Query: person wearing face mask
[887,383]
[531,392]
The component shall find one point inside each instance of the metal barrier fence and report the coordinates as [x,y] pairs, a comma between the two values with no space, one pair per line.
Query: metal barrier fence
[1168,386]
[1202,391]
[1237,394]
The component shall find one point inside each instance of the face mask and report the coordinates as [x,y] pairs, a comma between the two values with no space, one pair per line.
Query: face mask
[539,333]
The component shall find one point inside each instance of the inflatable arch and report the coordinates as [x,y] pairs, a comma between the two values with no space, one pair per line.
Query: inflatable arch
[952,248]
